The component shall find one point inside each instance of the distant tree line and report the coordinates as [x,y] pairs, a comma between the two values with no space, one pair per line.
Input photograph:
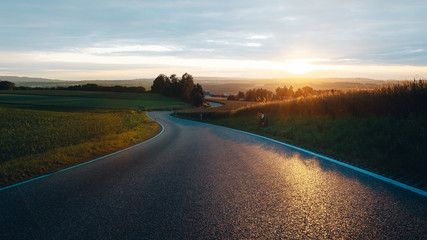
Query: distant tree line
[6,85]
[183,88]
[402,99]
[281,93]
[97,88]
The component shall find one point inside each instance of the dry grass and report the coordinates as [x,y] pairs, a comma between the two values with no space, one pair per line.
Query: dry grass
[396,100]
[384,129]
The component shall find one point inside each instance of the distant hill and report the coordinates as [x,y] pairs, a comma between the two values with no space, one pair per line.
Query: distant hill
[44,82]
[16,79]
[217,85]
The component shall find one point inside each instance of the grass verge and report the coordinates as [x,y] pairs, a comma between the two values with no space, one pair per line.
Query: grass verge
[34,142]
[394,147]
[382,130]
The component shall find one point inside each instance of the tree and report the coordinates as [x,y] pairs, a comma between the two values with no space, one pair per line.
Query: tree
[173,78]
[183,88]
[307,91]
[250,95]
[281,92]
[90,87]
[299,93]
[6,85]
[240,95]
[187,86]
[259,95]
[232,97]
[159,84]
[290,93]
[172,87]
[263,95]
[197,95]
[95,87]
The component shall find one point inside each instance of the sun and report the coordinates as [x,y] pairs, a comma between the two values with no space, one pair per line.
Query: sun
[299,66]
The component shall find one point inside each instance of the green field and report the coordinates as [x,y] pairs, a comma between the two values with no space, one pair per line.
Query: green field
[86,99]
[43,131]
[35,142]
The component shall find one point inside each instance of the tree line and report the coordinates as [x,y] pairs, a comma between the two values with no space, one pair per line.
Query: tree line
[182,88]
[281,93]
[402,99]
[98,88]
[6,85]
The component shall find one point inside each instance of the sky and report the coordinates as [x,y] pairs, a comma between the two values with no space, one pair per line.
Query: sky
[128,39]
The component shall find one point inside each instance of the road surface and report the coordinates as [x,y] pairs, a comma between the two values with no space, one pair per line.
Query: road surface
[197,181]
[215,104]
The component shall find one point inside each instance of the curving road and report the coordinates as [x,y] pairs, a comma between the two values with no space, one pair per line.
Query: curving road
[197,181]
[215,104]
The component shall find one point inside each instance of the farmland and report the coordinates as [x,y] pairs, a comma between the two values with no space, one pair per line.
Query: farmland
[42,131]
[85,99]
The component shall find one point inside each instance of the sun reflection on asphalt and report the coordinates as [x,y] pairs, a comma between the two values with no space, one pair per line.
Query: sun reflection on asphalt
[283,193]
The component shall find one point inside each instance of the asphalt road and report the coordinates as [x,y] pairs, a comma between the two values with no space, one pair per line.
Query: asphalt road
[197,181]
[215,104]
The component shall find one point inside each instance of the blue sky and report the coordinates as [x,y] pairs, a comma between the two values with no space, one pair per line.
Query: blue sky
[102,39]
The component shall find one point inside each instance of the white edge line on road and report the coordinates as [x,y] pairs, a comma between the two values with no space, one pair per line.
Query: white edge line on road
[377,176]
[91,161]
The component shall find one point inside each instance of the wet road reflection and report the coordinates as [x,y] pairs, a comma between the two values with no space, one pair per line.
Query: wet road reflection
[197,181]
[273,191]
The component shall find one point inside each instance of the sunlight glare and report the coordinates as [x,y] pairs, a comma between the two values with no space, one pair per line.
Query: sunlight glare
[299,66]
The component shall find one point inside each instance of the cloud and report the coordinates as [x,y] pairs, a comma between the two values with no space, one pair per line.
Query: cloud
[234,43]
[259,37]
[252,44]
[78,65]
[364,32]
[130,48]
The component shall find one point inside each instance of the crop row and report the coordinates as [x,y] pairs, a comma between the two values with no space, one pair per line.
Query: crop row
[25,132]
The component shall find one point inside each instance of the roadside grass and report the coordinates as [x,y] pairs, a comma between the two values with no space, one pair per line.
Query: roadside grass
[85,99]
[383,130]
[37,142]
[394,146]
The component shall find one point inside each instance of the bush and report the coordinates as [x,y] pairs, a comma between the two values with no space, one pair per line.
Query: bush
[6,85]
